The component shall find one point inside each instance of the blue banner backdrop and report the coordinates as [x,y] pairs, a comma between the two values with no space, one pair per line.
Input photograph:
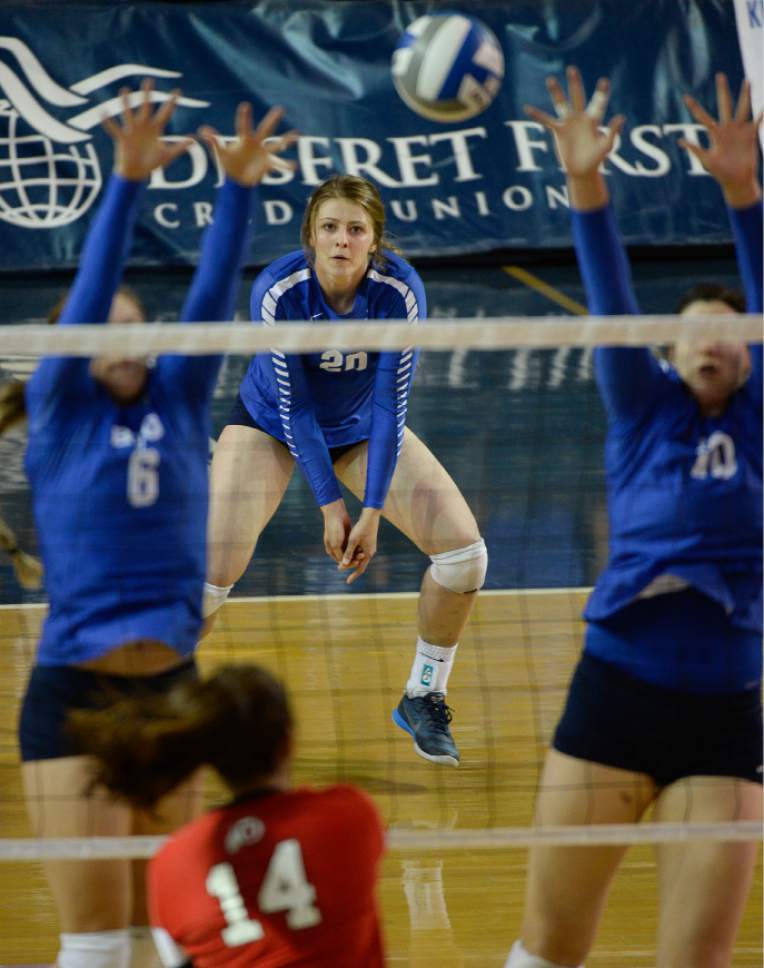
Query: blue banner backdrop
[491,182]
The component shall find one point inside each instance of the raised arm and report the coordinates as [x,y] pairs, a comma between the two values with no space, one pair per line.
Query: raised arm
[138,150]
[732,158]
[213,291]
[628,377]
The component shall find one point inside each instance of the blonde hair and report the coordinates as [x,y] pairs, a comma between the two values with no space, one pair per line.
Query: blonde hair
[356,190]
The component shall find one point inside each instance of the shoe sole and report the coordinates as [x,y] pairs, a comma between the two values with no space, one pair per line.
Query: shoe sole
[444,759]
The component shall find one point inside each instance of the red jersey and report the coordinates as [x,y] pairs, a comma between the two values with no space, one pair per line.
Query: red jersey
[270,881]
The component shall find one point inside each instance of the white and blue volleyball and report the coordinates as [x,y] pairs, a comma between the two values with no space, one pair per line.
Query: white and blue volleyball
[448,67]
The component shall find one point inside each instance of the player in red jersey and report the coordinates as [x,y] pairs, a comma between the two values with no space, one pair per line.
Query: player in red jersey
[278,876]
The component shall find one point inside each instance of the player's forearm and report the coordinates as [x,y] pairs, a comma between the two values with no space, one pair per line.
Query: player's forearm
[216,281]
[386,431]
[748,227]
[603,263]
[103,255]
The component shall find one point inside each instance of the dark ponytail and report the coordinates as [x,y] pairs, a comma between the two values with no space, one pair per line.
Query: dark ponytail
[237,721]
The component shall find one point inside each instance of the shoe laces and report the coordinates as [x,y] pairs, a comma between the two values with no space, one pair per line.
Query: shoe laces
[438,713]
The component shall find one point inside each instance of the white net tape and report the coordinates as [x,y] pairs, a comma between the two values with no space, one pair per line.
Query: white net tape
[403,839]
[500,332]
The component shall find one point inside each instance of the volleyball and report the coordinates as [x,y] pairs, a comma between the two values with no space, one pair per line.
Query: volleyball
[447,67]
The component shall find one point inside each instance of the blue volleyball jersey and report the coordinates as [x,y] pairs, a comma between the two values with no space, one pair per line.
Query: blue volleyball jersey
[315,401]
[120,492]
[684,490]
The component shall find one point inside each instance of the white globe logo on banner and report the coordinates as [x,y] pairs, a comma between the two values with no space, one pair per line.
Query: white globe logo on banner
[49,170]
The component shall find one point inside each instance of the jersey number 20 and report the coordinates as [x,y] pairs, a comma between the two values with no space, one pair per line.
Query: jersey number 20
[284,888]
[335,362]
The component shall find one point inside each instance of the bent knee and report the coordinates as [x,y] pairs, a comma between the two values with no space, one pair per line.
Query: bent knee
[462,570]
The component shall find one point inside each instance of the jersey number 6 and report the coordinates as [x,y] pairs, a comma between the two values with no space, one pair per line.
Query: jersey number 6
[284,888]
[143,477]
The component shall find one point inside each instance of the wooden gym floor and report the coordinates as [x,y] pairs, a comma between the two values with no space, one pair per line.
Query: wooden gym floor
[345,659]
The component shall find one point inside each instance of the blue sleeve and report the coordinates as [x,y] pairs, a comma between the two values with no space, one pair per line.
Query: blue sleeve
[304,437]
[628,377]
[392,385]
[748,229]
[214,288]
[94,286]
[749,248]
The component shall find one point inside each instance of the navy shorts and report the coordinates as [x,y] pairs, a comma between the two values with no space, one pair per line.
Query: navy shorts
[54,691]
[241,417]
[618,720]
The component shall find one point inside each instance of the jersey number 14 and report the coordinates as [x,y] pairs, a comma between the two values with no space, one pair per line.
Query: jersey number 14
[284,888]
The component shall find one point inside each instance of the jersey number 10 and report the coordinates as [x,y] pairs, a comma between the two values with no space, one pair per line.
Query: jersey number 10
[284,888]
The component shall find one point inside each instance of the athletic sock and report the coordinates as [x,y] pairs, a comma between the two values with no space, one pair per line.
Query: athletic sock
[94,949]
[431,668]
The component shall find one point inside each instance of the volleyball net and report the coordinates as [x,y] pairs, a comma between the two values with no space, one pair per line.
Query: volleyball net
[510,408]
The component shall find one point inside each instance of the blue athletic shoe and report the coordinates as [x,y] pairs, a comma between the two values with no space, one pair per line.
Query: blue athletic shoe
[426,718]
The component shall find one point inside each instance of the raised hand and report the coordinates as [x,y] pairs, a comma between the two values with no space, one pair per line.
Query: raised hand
[138,145]
[732,157]
[248,159]
[581,145]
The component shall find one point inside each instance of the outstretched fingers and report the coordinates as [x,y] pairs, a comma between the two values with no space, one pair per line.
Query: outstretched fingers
[597,106]
[269,123]
[614,128]
[175,150]
[559,101]
[541,116]
[723,98]
[165,112]
[127,113]
[576,89]
[209,135]
[699,112]
[144,107]
[696,150]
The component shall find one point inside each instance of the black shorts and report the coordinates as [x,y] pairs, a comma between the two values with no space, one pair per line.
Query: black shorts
[54,691]
[615,719]
[241,417]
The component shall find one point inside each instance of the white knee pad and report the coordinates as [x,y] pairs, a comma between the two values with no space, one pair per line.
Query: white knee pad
[214,596]
[462,570]
[520,958]
[95,949]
